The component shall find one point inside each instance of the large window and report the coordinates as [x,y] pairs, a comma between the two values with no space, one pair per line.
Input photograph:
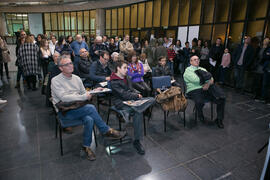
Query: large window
[229,20]
[71,23]
[16,22]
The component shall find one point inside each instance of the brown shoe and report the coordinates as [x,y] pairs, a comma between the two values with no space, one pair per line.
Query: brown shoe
[67,130]
[89,154]
[114,134]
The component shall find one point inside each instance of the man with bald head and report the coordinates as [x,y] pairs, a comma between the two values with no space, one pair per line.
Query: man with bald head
[96,48]
[200,92]
[84,67]
[76,46]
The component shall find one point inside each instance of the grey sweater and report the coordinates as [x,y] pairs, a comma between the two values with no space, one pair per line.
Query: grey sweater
[67,89]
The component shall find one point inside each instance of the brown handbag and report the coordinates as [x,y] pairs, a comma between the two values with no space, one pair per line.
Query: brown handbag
[172,99]
[64,107]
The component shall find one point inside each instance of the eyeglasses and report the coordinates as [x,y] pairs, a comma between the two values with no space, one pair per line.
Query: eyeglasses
[67,64]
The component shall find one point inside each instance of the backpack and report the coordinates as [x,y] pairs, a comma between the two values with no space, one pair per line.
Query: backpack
[172,99]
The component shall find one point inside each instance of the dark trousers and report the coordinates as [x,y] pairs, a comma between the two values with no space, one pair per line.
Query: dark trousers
[199,96]
[265,85]
[31,81]
[2,69]
[222,74]
[19,73]
[239,77]
[214,71]
[143,88]
[257,84]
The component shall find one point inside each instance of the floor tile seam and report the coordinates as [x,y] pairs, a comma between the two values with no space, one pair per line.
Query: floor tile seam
[266,115]
[192,172]
[163,148]
[23,166]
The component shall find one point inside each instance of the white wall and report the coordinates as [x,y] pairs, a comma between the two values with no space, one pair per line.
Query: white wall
[35,23]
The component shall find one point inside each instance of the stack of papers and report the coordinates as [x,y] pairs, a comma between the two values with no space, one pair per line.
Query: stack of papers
[99,90]
[135,103]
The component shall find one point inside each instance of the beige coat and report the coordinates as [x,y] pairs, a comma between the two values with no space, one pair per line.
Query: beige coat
[125,47]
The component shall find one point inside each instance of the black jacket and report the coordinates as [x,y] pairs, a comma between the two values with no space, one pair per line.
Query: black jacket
[216,53]
[122,91]
[248,56]
[84,68]
[137,48]
[162,71]
[97,47]
[98,73]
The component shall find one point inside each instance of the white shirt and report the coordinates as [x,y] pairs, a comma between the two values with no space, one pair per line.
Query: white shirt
[52,46]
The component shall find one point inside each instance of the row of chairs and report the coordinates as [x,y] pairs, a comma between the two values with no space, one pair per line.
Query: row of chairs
[157,82]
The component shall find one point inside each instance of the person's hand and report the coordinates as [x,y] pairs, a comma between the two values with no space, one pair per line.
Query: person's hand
[89,96]
[96,52]
[171,59]
[140,96]
[108,78]
[205,87]
[211,81]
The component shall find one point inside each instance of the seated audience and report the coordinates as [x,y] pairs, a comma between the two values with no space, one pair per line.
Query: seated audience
[122,91]
[200,93]
[146,68]
[136,73]
[99,70]
[163,70]
[84,65]
[76,47]
[111,63]
[67,87]
[96,48]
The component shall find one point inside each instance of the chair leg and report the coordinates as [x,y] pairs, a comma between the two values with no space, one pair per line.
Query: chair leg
[211,111]
[108,116]
[94,129]
[144,128]
[184,118]
[165,118]
[56,126]
[61,144]
[196,115]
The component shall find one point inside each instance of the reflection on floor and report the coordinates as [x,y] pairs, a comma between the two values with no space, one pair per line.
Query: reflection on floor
[29,149]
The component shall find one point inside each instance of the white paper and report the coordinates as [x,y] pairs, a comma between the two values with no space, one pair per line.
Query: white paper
[99,90]
[135,103]
[212,62]
[103,84]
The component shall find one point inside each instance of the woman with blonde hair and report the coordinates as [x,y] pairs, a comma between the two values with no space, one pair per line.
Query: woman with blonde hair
[4,58]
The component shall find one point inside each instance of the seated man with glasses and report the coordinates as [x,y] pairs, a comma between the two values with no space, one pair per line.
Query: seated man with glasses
[203,92]
[99,70]
[67,87]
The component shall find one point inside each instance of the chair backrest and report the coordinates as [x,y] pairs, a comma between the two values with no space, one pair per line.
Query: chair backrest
[161,81]
[153,71]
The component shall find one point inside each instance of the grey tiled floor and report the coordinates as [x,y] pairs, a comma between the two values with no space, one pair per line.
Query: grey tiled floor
[29,150]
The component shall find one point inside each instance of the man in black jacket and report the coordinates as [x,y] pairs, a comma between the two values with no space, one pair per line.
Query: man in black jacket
[84,65]
[99,70]
[242,58]
[96,48]
[215,55]
[122,91]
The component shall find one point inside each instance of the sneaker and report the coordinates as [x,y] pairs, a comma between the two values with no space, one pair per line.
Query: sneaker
[114,134]
[3,101]
[139,148]
[89,154]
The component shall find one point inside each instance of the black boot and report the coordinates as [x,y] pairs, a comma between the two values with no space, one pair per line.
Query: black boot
[139,148]
[219,123]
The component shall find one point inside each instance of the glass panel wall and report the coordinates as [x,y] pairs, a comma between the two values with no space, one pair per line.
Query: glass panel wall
[16,22]
[72,23]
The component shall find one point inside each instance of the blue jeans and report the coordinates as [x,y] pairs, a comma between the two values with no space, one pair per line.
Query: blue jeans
[170,65]
[137,113]
[86,116]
